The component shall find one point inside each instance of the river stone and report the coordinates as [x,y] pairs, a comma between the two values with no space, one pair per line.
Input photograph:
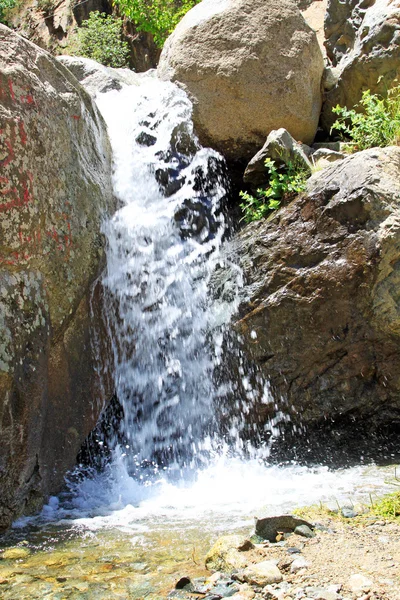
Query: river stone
[282,149]
[363,43]
[359,583]
[55,193]
[269,527]
[249,67]
[320,311]
[260,574]
[298,564]
[228,553]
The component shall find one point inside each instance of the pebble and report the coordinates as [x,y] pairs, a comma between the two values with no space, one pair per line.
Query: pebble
[359,583]
[293,550]
[348,512]
[299,563]
[304,531]
[261,573]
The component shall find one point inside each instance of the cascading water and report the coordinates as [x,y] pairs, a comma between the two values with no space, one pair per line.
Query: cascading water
[123,529]
[163,245]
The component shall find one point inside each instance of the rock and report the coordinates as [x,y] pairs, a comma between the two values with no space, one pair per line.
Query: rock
[282,149]
[364,45]
[15,553]
[323,157]
[298,564]
[228,553]
[224,590]
[358,583]
[304,531]
[261,574]
[96,78]
[184,583]
[249,66]
[323,274]
[55,193]
[269,527]
[348,513]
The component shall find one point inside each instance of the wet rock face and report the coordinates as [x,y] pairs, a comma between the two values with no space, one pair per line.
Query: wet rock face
[55,185]
[321,310]
[249,66]
[362,41]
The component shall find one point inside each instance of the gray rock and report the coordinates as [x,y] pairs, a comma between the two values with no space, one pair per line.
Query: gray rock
[282,149]
[55,194]
[304,531]
[348,513]
[324,274]
[95,77]
[363,41]
[326,156]
[249,66]
[269,527]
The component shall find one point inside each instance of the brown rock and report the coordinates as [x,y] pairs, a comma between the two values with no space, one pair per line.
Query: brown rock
[322,319]
[55,192]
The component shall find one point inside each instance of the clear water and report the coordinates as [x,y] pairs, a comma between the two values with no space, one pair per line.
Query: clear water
[175,482]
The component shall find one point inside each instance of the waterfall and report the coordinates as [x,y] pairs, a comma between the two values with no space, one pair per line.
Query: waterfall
[163,247]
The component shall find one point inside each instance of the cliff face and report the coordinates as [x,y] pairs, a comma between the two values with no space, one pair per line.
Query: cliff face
[56,191]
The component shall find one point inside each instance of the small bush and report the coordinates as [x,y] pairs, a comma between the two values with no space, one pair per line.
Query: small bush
[99,38]
[5,6]
[158,17]
[388,506]
[377,125]
[291,180]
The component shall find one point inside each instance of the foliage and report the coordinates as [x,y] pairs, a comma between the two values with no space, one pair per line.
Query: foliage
[5,6]
[99,38]
[377,125]
[158,17]
[46,6]
[291,180]
[388,506]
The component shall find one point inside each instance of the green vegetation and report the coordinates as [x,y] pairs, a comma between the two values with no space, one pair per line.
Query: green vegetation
[158,17]
[46,6]
[282,182]
[377,125]
[388,506]
[5,6]
[99,38]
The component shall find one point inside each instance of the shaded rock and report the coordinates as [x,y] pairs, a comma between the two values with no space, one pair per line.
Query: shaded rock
[282,149]
[228,553]
[322,296]
[55,193]
[363,41]
[323,157]
[269,527]
[184,583]
[97,78]
[260,574]
[249,66]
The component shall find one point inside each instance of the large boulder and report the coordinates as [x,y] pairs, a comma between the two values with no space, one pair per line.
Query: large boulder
[249,67]
[55,192]
[321,304]
[363,43]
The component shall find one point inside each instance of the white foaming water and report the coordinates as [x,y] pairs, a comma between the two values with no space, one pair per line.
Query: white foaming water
[162,250]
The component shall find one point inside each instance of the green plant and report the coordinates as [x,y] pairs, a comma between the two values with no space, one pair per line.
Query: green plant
[282,182]
[99,38]
[158,17]
[388,506]
[5,6]
[378,123]
[46,6]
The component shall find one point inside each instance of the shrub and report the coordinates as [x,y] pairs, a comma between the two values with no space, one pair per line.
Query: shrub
[388,506]
[377,125]
[99,38]
[158,17]
[5,6]
[282,182]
